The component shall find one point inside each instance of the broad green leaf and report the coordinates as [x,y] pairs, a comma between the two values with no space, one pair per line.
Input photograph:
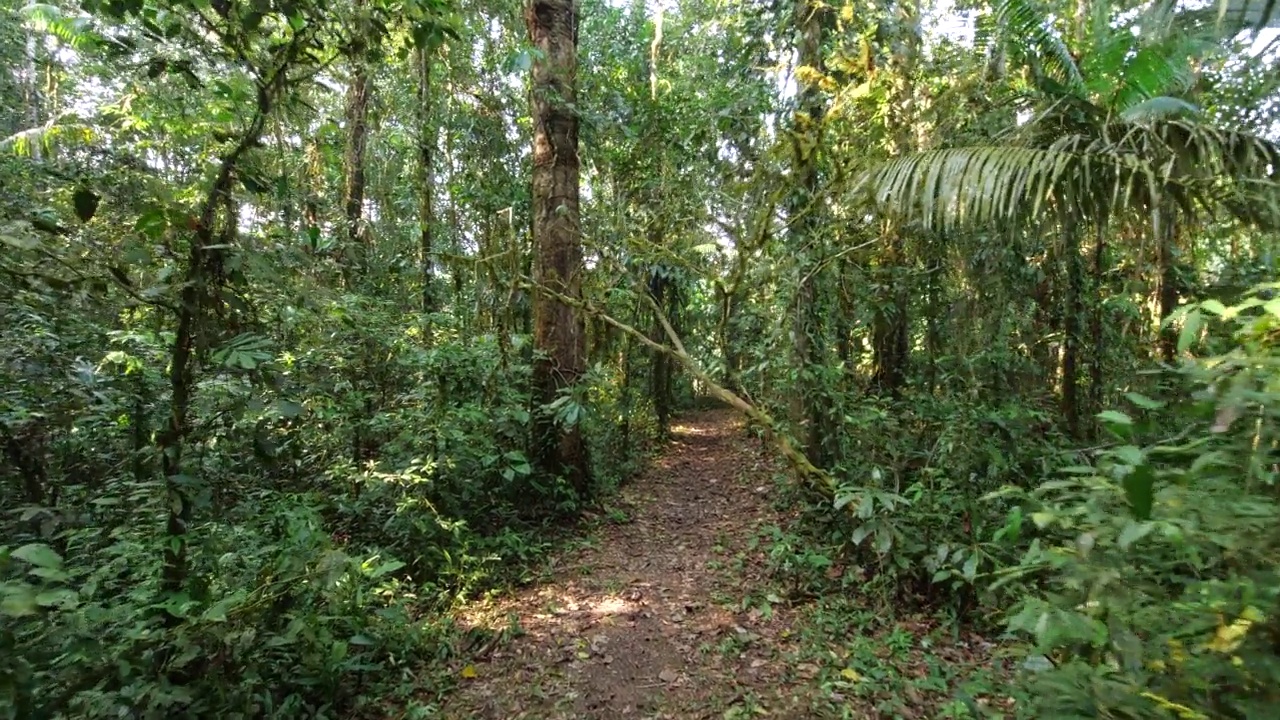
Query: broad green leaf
[17,600]
[1143,401]
[1139,490]
[385,568]
[1214,306]
[1191,325]
[39,555]
[61,598]
[1133,532]
[1115,417]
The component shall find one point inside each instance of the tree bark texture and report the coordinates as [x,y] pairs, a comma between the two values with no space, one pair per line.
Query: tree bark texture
[811,403]
[559,333]
[357,120]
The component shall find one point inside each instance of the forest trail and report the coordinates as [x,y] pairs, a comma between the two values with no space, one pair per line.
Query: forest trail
[637,625]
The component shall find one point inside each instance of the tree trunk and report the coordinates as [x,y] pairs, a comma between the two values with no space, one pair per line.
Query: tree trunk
[891,341]
[31,91]
[1166,232]
[660,362]
[357,121]
[426,139]
[933,323]
[1099,351]
[810,402]
[558,331]
[203,269]
[1071,324]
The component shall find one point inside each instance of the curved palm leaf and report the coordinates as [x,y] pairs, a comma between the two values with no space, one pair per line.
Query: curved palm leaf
[1026,26]
[1129,166]
[1159,108]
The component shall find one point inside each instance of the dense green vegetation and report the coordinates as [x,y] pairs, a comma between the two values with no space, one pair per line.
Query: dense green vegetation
[320,318]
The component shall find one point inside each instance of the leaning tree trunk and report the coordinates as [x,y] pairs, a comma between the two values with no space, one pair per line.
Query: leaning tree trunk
[558,332]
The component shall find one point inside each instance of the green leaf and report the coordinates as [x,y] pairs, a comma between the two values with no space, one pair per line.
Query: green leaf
[1115,417]
[288,409]
[1130,454]
[17,600]
[1133,532]
[61,598]
[1191,325]
[1214,307]
[1143,401]
[39,555]
[1139,490]
[387,567]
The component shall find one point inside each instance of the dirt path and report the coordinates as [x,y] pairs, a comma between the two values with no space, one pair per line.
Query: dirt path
[637,626]
[669,612]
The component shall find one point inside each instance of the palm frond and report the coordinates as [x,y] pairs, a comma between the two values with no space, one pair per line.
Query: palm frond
[1125,166]
[1027,28]
[1159,108]
[1153,71]
[970,185]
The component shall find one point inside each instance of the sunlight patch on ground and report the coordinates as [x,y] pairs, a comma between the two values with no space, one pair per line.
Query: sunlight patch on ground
[611,605]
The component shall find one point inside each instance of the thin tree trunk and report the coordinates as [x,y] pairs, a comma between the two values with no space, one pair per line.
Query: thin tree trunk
[558,334]
[357,121]
[1099,351]
[426,141]
[1166,231]
[660,362]
[891,341]
[31,91]
[1071,324]
[933,322]
[203,268]
[810,403]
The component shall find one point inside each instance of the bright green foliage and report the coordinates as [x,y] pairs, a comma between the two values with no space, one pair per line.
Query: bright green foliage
[266,345]
[1158,554]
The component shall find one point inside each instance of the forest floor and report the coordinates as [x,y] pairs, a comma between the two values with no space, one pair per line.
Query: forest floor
[670,611]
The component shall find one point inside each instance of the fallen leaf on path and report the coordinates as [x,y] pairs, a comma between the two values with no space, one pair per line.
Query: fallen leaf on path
[468,672]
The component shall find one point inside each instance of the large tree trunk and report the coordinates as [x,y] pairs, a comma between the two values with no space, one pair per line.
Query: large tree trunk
[426,140]
[660,367]
[558,332]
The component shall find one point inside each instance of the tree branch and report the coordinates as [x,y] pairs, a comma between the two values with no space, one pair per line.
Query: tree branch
[797,459]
